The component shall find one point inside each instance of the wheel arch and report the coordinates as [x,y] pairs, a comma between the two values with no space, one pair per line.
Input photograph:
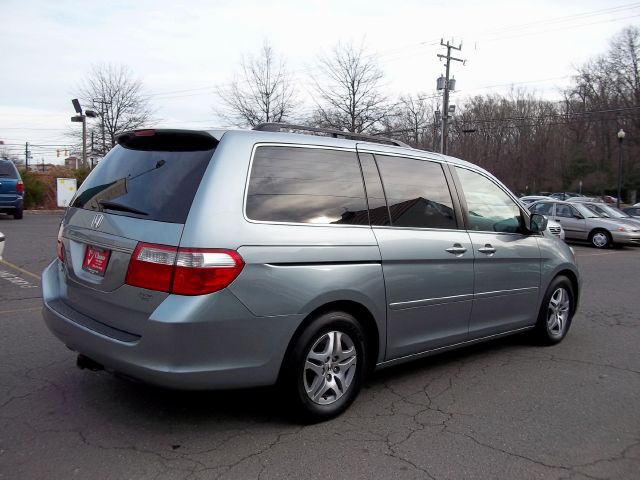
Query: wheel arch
[575,284]
[359,311]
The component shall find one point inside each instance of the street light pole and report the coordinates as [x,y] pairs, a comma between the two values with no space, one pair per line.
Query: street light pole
[621,135]
[82,117]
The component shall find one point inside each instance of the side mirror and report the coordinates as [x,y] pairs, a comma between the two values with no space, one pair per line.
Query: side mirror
[578,216]
[537,223]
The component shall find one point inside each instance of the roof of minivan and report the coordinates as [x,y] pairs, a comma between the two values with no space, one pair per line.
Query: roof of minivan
[307,139]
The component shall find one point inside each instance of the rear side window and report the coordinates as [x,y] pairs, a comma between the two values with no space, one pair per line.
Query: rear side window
[145,183]
[8,169]
[542,208]
[306,185]
[566,211]
[417,193]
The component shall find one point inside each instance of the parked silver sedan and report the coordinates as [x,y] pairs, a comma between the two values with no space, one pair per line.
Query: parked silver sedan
[608,211]
[581,223]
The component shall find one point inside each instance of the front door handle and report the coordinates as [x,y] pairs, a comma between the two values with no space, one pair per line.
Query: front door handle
[487,249]
[457,249]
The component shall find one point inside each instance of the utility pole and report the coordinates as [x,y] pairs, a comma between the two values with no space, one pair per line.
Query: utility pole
[445,100]
[26,156]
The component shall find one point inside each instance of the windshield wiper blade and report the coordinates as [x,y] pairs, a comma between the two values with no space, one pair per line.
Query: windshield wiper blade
[119,207]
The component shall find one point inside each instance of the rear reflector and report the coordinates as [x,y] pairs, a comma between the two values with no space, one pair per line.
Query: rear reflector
[20,187]
[184,271]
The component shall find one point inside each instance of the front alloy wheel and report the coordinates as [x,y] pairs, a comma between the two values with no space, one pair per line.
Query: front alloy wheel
[558,312]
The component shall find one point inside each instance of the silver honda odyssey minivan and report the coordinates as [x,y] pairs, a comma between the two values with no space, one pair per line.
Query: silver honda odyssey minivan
[295,256]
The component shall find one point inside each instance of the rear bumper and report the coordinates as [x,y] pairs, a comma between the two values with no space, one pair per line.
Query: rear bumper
[10,202]
[206,342]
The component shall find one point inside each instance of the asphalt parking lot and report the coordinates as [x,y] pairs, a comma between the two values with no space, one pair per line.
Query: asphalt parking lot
[506,409]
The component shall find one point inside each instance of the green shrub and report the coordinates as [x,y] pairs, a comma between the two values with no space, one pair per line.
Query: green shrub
[80,174]
[34,190]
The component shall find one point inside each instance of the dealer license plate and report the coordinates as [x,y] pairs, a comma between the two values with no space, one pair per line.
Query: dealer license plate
[95,260]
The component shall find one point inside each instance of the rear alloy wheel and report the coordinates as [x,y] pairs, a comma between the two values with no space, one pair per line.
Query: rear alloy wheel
[330,367]
[325,369]
[556,311]
[600,239]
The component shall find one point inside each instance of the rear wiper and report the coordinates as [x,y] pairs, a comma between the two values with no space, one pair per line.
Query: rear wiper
[119,207]
[4,174]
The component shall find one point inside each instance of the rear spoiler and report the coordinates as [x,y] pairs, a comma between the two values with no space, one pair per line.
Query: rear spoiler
[167,140]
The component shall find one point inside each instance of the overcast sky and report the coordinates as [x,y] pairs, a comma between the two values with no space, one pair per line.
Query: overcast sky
[180,50]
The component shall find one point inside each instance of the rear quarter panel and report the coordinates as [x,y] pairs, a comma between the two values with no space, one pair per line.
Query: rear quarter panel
[290,269]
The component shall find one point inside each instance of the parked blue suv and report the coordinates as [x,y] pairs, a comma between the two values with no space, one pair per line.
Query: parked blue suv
[11,189]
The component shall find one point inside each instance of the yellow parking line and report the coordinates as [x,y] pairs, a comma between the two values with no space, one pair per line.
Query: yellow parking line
[21,270]
[32,309]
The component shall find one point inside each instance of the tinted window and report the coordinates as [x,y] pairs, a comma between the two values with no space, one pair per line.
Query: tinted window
[154,185]
[306,185]
[8,169]
[542,208]
[417,193]
[490,209]
[378,210]
[566,211]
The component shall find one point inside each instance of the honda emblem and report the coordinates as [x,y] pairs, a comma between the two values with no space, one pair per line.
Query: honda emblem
[97,220]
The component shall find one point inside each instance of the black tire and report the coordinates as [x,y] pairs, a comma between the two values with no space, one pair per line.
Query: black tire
[547,331]
[296,377]
[600,239]
[17,214]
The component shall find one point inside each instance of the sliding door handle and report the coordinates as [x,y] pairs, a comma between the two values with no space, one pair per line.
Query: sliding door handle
[457,249]
[487,249]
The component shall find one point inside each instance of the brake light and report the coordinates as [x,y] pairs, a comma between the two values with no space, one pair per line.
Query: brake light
[148,132]
[20,187]
[184,271]
[59,244]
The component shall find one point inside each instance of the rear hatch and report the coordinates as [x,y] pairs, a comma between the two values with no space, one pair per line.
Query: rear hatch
[10,182]
[141,192]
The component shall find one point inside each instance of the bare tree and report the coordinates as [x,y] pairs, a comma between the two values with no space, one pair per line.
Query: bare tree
[349,91]
[264,93]
[412,120]
[117,97]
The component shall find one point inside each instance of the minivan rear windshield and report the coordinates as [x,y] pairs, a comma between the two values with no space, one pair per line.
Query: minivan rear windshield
[138,181]
[7,169]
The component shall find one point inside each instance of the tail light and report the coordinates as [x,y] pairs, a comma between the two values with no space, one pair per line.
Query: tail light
[151,266]
[184,271]
[20,186]
[60,245]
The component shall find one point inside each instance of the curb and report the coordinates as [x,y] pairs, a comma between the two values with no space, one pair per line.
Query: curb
[45,212]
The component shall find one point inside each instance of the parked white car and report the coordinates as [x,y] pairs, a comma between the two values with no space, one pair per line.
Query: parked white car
[555,229]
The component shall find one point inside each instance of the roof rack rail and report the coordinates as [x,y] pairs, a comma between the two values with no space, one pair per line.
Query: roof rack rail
[279,127]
